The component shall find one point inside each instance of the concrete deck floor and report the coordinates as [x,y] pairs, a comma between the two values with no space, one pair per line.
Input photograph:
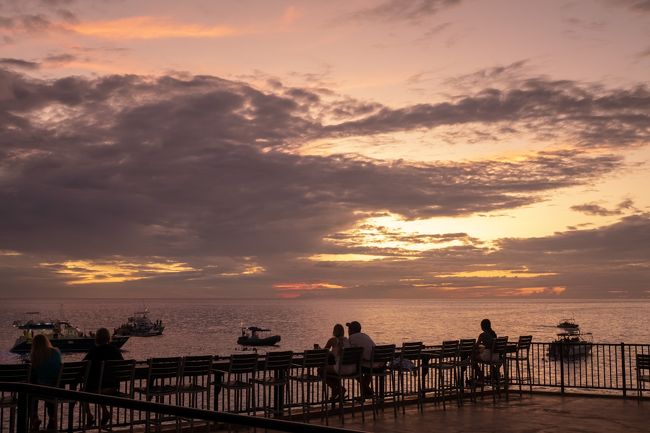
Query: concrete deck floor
[536,413]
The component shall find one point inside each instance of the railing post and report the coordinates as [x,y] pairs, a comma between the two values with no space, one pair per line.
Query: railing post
[23,412]
[561,367]
[623,369]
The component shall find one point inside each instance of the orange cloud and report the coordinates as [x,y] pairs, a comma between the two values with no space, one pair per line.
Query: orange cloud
[306,286]
[145,27]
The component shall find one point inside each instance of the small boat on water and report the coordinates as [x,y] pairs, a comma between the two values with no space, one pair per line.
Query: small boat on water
[139,325]
[568,324]
[570,345]
[251,337]
[64,336]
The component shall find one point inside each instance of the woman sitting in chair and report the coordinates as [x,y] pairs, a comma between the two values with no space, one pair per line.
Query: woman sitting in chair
[46,365]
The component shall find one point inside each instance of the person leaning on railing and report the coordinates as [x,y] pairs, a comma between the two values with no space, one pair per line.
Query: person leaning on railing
[46,365]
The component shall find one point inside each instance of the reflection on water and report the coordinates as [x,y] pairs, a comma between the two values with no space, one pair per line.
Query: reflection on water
[212,326]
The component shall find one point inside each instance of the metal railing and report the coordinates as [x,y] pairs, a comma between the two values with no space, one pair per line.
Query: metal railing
[170,414]
[603,369]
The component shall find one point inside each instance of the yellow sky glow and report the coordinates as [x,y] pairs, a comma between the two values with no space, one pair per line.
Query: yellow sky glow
[88,272]
[145,27]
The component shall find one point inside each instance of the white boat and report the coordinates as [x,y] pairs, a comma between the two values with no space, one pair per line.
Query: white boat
[139,325]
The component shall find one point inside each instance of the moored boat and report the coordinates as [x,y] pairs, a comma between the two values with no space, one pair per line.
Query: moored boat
[139,325]
[570,345]
[64,336]
[568,324]
[251,337]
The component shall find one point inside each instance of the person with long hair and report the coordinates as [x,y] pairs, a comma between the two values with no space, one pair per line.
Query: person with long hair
[336,344]
[103,351]
[46,366]
[484,347]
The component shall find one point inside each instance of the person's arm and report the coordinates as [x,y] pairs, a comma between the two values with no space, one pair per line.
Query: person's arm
[330,343]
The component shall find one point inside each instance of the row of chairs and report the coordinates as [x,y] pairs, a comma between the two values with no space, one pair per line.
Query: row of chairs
[285,382]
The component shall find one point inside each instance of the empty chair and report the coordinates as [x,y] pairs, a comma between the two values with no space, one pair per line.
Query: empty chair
[642,372]
[382,378]
[162,383]
[117,378]
[407,365]
[445,363]
[195,381]
[242,368]
[12,373]
[72,376]
[274,382]
[466,350]
[521,360]
[310,374]
[349,371]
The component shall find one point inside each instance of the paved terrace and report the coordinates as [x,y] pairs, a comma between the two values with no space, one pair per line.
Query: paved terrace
[530,413]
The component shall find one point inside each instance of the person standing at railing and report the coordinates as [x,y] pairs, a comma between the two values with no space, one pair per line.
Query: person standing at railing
[46,365]
[103,351]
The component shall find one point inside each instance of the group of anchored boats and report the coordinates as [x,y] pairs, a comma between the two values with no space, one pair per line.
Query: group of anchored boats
[68,338]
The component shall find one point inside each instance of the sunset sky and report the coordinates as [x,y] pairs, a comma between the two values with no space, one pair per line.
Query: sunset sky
[278,149]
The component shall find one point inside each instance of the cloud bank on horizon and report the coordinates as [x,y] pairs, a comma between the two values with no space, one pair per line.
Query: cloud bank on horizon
[119,177]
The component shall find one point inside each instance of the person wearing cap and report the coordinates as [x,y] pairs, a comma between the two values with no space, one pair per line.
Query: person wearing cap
[360,339]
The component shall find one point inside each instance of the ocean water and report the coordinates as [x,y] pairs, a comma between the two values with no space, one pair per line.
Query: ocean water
[211,326]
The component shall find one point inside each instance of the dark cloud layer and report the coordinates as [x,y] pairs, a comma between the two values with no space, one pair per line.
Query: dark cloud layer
[202,171]
[589,115]
[404,10]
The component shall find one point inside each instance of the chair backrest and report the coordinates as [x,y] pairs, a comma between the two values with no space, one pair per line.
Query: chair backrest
[411,350]
[15,372]
[466,347]
[449,349]
[642,362]
[278,360]
[382,354]
[164,368]
[352,356]
[73,374]
[499,345]
[197,365]
[524,342]
[119,371]
[315,358]
[243,363]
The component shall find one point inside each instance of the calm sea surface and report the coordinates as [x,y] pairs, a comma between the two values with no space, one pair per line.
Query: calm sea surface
[212,326]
